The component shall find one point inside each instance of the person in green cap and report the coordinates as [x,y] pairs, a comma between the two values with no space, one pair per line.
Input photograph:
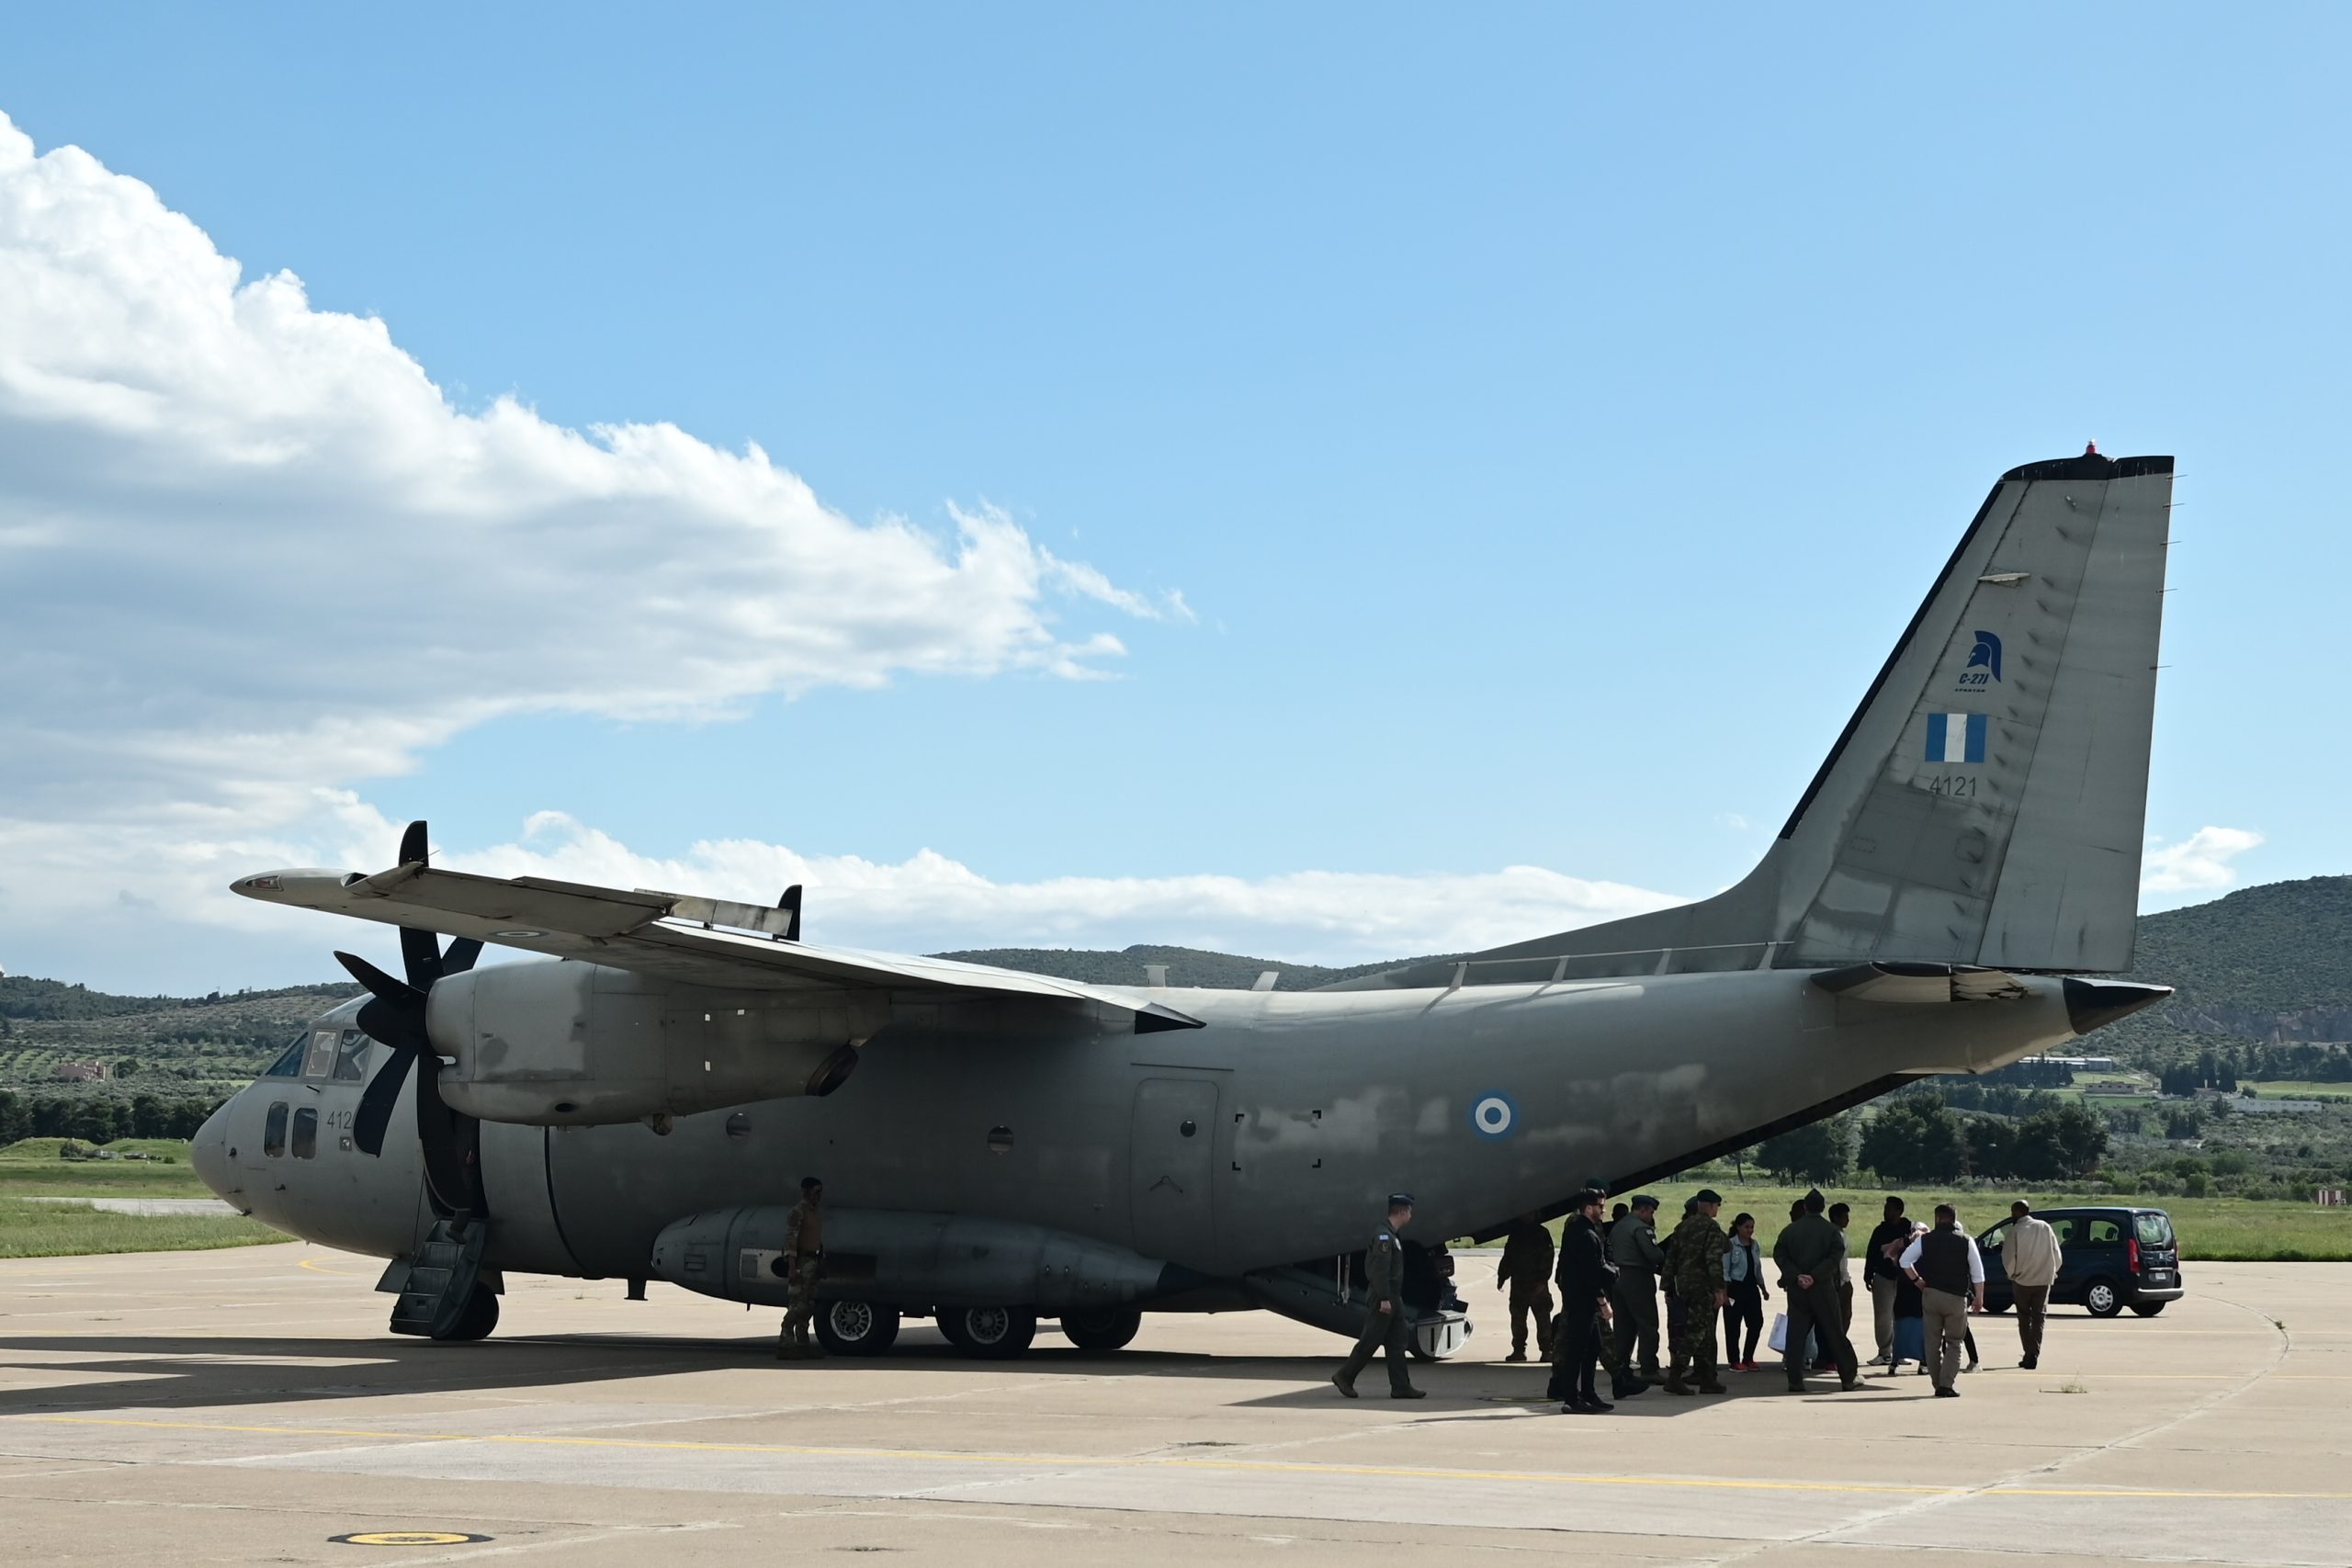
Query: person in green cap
[1696,1254]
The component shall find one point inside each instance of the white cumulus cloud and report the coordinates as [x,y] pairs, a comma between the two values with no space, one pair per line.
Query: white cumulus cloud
[2199,863]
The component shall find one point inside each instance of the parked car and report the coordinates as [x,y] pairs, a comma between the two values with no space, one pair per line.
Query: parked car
[2113,1258]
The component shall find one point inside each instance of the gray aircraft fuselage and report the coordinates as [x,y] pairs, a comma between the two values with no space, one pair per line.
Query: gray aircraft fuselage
[1267,1137]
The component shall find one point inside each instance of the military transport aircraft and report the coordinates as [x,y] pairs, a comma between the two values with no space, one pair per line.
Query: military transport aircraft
[1001,1146]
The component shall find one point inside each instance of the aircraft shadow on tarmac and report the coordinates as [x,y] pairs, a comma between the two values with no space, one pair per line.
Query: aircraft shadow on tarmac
[171,1372]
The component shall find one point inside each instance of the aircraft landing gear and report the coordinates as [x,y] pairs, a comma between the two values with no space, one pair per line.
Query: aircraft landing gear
[995,1333]
[856,1329]
[1107,1328]
[476,1319]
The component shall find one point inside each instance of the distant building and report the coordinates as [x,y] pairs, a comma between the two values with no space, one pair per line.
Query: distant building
[2277,1106]
[2079,1064]
[79,1072]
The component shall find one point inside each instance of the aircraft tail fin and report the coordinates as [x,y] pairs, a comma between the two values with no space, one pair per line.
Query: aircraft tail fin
[1986,803]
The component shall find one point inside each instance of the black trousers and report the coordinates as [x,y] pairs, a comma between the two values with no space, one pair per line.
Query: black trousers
[1578,1329]
[1382,1330]
[1815,1312]
[1743,1318]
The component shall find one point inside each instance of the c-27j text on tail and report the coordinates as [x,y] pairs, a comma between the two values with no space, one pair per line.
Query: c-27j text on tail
[999,1146]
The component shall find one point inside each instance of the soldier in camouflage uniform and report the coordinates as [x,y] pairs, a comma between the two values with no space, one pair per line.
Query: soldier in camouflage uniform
[1697,1257]
[1388,1324]
[804,1248]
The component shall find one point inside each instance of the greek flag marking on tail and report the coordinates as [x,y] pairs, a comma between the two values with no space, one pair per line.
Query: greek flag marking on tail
[1956,737]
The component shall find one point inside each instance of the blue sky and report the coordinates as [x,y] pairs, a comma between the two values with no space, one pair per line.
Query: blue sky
[1550,415]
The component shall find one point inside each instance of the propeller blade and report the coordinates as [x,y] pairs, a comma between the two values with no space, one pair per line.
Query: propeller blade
[414,849]
[460,956]
[380,984]
[394,1012]
[421,956]
[375,1103]
[445,1136]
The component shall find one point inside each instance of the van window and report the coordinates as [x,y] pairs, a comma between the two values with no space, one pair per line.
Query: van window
[290,1065]
[1991,1240]
[306,1133]
[350,1056]
[2153,1230]
[2105,1231]
[2068,1227]
[273,1131]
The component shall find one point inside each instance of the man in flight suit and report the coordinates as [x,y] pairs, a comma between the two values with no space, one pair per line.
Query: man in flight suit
[1386,1327]
[1810,1254]
[1632,1247]
[804,1248]
[1526,1272]
[1697,1250]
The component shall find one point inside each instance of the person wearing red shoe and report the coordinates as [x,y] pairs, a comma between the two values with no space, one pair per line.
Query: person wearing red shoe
[1745,1295]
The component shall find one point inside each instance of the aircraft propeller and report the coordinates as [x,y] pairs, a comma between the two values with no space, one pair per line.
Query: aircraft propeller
[394,1016]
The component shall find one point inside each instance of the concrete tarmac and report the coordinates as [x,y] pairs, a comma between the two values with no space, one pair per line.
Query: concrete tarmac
[248,1406]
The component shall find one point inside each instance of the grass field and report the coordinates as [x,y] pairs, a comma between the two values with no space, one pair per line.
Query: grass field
[31,1168]
[2211,1229]
[61,1230]
[2286,1089]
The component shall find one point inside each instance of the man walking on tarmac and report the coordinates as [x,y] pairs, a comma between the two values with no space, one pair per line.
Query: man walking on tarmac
[804,1249]
[1632,1247]
[1810,1253]
[1697,1250]
[1526,1272]
[1385,1326]
[1949,1273]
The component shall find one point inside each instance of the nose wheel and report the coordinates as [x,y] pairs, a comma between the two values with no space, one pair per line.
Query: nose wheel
[475,1319]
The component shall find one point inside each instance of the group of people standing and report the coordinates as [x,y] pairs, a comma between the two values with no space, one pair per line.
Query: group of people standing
[1923,1282]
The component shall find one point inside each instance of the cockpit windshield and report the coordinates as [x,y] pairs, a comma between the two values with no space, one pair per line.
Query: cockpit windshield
[289,1066]
[350,1056]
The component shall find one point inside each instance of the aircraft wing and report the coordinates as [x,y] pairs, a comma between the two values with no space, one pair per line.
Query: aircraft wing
[703,942]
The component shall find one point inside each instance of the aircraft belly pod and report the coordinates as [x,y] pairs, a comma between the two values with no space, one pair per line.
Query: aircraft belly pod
[1001,1143]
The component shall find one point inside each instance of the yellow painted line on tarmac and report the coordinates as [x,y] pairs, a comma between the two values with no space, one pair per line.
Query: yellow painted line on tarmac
[1149,1461]
[339,1273]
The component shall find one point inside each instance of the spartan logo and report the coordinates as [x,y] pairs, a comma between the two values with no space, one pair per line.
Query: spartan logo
[1985,655]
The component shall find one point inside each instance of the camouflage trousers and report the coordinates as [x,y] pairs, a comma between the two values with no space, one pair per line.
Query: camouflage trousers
[1693,1337]
[800,1312]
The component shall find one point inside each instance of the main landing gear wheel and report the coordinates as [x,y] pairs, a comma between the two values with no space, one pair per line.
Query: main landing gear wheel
[995,1333]
[2103,1299]
[856,1329]
[1109,1328]
[479,1316]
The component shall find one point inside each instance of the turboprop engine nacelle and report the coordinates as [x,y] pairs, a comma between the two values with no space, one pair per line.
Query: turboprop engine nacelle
[911,1260]
[569,1044]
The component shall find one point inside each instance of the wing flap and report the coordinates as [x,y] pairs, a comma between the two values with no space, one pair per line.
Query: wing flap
[1915,984]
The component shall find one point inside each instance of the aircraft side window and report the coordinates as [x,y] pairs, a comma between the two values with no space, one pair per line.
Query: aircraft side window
[350,1056]
[289,1065]
[306,1133]
[322,1054]
[273,1131]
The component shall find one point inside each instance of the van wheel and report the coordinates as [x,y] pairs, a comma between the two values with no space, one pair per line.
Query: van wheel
[2147,1309]
[1998,1304]
[995,1333]
[1111,1329]
[2103,1298]
[858,1328]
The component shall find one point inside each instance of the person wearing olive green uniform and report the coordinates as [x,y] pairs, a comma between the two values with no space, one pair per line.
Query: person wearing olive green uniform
[1697,1254]
[804,1248]
[1632,1247]
[1810,1254]
[1386,1326]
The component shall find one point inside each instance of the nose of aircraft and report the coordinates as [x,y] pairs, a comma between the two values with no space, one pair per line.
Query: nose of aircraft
[209,1154]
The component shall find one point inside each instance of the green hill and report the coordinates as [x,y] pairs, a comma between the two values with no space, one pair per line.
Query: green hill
[2269,966]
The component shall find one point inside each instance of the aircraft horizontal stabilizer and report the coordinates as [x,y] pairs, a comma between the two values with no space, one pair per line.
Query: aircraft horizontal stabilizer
[670,935]
[1886,981]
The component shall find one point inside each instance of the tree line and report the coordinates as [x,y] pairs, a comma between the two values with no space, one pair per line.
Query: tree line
[101,1120]
[1916,1137]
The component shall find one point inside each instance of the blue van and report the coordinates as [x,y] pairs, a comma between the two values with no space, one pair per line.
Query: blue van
[2111,1259]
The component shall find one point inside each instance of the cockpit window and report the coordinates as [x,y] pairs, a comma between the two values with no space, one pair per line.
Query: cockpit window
[290,1065]
[351,1055]
[321,1054]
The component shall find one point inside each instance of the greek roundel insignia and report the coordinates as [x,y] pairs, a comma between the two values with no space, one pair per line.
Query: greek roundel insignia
[1493,1115]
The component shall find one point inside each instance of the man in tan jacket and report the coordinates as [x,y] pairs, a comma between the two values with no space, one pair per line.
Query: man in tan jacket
[2032,1256]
